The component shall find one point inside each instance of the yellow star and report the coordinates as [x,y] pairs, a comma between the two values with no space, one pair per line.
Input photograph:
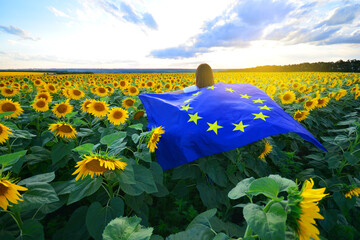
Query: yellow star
[212,87]
[244,96]
[195,94]
[214,127]
[230,90]
[260,115]
[239,126]
[266,107]
[194,118]
[186,108]
[188,100]
[258,101]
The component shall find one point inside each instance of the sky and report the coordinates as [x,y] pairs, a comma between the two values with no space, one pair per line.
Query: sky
[176,33]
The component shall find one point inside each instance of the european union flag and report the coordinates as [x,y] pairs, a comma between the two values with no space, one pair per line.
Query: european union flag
[215,119]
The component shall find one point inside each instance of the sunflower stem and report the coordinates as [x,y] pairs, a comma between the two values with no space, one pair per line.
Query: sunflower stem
[268,205]
[248,231]
[17,219]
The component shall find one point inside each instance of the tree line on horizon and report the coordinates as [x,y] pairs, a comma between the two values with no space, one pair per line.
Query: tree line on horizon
[339,66]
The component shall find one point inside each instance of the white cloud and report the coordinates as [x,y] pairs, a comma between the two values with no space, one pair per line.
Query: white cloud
[58,13]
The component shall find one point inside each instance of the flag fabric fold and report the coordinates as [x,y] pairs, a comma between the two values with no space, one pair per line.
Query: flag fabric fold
[215,119]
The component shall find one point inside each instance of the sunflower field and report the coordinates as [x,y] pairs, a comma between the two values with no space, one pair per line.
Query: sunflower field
[78,162]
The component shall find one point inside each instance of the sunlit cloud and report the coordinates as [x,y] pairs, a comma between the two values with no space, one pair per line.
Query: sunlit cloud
[58,13]
[17,32]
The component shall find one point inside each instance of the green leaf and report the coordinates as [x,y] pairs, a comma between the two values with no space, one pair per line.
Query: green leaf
[144,179]
[84,148]
[267,186]
[6,114]
[11,158]
[135,137]
[38,194]
[98,217]
[125,228]
[84,188]
[32,230]
[127,175]
[138,126]
[270,225]
[241,188]
[221,236]
[71,115]
[213,169]
[60,150]
[75,228]
[45,177]
[202,219]
[145,156]
[284,183]
[109,139]
[353,160]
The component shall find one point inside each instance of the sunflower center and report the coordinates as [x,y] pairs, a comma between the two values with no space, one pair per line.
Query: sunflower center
[321,101]
[122,84]
[99,107]
[309,103]
[76,92]
[132,90]
[65,129]
[40,104]
[286,97]
[117,115]
[94,166]
[43,96]
[3,189]
[129,102]
[9,91]
[155,138]
[1,130]
[101,90]
[8,107]
[298,115]
[51,87]
[62,108]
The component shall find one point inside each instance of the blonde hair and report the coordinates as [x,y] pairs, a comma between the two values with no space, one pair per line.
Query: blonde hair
[204,76]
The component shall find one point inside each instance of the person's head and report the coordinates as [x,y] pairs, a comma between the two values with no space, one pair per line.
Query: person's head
[204,76]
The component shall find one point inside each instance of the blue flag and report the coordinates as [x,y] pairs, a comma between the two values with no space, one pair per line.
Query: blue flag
[215,119]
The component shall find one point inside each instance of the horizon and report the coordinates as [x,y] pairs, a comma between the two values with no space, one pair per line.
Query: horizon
[156,34]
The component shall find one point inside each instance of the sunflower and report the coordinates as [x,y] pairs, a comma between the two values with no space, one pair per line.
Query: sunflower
[51,88]
[353,192]
[128,102]
[322,102]
[7,105]
[133,91]
[63,130]
[300,115]
[63,108]
[9,192]
[304,210]
[123,84]
[154,138]
[38,83]
[340,94]
[4,133]
[267,149]
[97,165]
[357,94]
[85,105]
[288,97]
[67,84]
[270,90]
[110,89]
[40,105]
[150,84]
[139,114]
[44,95]
[101,91]
[9,92]
[311,104]
[76,94]
[117,116]
[98,108]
